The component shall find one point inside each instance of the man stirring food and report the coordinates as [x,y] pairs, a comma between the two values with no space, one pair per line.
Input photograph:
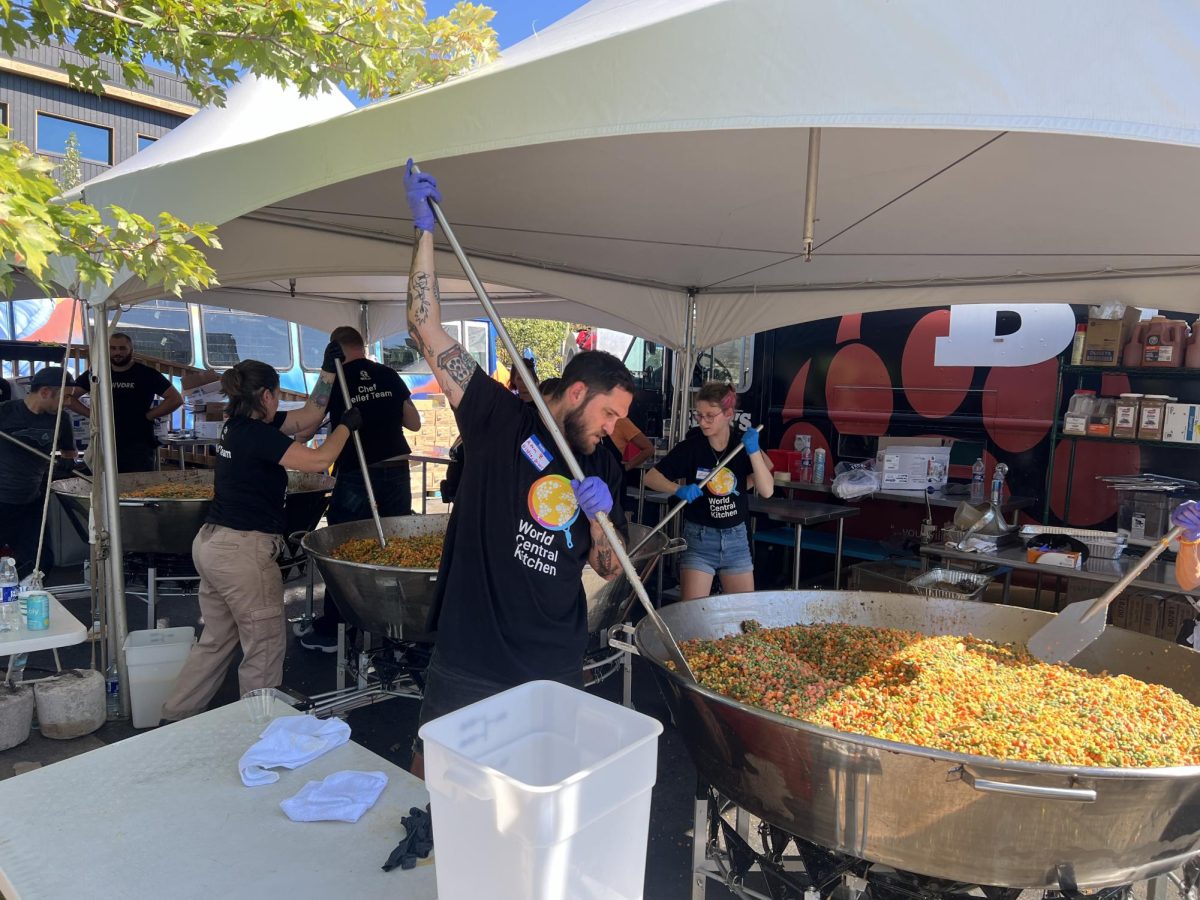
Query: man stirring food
[512,606]
[135,385]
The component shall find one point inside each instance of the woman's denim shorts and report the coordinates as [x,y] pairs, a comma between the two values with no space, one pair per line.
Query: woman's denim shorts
[716,550]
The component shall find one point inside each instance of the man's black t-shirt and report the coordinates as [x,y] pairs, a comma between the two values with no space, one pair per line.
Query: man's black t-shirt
[724,502]
[512,600]
[378,392]
[133,393]
[250,484]
[22,474]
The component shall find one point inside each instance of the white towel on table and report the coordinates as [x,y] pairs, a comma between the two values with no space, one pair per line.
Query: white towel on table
[290,742]
[341,797]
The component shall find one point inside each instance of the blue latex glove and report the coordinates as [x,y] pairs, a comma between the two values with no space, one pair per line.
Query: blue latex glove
[688,493]
[750,440]
[419,190]
[1187,514]
[593,496]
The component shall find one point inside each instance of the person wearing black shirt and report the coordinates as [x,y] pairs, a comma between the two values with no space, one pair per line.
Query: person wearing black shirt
[23,473]
[510,590]
[241,587]
[134,387]
[383,398]
[715,518]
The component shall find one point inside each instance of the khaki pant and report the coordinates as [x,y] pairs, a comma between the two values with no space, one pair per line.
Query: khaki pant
[241,599]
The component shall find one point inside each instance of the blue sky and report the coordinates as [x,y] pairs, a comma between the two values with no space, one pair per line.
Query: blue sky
[515,19]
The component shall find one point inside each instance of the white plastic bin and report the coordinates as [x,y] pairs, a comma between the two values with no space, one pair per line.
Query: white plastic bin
[154,659]
[541,793]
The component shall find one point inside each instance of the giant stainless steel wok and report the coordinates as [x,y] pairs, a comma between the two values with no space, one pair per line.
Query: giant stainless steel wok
[395,602]
[947,815]
[169,525]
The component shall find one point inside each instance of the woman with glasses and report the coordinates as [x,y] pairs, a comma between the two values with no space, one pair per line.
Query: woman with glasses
[715,527]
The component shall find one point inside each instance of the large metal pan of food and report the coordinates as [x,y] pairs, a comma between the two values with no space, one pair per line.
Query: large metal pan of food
[162,511]
[390,591]
[1002,819]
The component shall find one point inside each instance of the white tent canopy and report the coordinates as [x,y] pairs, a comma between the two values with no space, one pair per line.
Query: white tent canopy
[641,149]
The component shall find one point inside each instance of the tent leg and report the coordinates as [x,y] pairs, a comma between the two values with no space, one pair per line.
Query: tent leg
[102,404]
[685,360]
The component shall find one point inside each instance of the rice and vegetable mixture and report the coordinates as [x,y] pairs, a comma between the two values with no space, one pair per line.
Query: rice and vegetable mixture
[169,491]
[960,694]
[421,552]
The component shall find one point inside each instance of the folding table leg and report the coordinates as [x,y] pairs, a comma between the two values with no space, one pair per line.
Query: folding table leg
[837,557]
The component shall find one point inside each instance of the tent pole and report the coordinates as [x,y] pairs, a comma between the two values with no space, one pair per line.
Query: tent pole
[102,403]
[810,190]
[686,358]
[364,323]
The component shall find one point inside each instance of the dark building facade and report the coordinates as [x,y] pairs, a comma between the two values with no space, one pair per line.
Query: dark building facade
[41,108]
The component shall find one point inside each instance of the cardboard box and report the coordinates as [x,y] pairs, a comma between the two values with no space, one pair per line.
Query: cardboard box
[1119,611]
[1152,605]
[1106,338]
[199,379]
[196,399]
[1067,559]
[1181,423]
[214,412]
[912,467]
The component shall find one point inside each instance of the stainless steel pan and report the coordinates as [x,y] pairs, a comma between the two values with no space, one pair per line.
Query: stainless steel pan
[967,818]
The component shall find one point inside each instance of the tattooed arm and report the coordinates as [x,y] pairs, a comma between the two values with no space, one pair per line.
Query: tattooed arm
[308,418]
[601,557]
[451,364]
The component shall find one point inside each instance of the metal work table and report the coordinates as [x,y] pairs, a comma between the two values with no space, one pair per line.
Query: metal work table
[183,444]
[1159,577]
[801,513]
[936,498]
[164,814]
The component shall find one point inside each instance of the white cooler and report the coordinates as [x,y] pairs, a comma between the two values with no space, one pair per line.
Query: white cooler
[541,793]
[154,660]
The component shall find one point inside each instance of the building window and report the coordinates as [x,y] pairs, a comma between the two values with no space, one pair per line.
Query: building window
[231,336]
[144,141]
[95,141]
[4,114]
[159,328]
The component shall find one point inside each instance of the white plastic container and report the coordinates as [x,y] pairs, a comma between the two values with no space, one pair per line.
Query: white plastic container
[154,659]
[541,793]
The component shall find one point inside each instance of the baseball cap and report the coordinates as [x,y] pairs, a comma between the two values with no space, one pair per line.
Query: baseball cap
[50,377]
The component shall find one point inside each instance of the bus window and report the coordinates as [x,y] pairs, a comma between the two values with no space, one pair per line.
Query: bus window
[731,362]
[477,343]
[231,336]
[312,347]
[159,328]
[398,355]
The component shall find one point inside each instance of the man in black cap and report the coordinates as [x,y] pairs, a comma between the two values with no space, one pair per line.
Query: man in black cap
[22,469]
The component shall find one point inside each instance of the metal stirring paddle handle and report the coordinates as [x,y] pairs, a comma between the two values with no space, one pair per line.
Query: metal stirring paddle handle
[362,458]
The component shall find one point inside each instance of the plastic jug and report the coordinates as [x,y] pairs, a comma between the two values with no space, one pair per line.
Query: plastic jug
[1164,344]
[1192,358]
[1131,356]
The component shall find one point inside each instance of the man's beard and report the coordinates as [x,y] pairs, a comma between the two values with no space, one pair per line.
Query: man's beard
[120,360]
[576,433]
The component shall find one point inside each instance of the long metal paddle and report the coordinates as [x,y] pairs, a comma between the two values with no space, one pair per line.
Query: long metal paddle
[1070,632]
[362,458]
[560,441]
[36,452]
[722,463]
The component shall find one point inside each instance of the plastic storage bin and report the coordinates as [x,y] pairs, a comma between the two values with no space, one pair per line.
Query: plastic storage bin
[888,575]
[154,659]
[541,793]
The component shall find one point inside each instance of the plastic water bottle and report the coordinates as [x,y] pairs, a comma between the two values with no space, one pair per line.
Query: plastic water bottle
[112,691]
[998,483]
[977,473]
[10,584]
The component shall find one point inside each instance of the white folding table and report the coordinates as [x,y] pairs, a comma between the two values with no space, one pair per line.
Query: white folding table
[64,631]
[165,815]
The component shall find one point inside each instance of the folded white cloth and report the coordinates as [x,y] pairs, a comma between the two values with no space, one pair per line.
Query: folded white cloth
[341,797]
[290,742]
